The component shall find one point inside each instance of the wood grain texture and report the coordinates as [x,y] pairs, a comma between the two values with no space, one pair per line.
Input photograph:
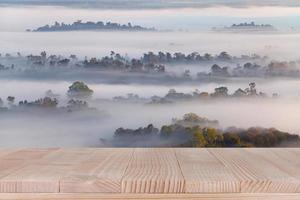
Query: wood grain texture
[153,171]
[36,178]
[204,173]
[150,171]
[27,154]
[67,156]
[99,196]
[13,160]
[255,173]
[282,159]
[102,172]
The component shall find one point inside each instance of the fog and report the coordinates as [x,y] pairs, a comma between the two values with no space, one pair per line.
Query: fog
[97,44]
[29,130]
[86,129]
[182,28]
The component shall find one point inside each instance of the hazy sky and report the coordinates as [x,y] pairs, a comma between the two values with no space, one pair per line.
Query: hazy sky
[154,3]
[19,18]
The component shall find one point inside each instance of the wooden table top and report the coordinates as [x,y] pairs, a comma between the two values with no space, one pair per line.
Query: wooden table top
[150,171]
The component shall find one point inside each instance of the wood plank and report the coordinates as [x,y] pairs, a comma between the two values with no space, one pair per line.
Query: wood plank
[4,152]
[255,173]
[9,166]
[97,196]
[139,170]
[42,169]
[102,172]
[36,178]
[70,156]
[153,171]
[14,160]
[10,161]
[282,159]
[27,154]
[204,173]
[294,151]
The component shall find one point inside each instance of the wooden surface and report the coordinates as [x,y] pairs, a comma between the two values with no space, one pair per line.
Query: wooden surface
[105,196]
[125,173]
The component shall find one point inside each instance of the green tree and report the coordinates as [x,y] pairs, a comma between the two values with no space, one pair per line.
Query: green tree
[211,136]
[232,140]
[79,90]
[166,131]
[198,137]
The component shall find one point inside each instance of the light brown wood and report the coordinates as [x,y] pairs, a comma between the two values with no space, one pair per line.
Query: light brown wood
[67,156]
[255,173]
[162,172]
[13,160]
[36,178]
[97,196]
[27,154]
[102,172]
[4,152]
[204,173]
[153,171]
[282,159]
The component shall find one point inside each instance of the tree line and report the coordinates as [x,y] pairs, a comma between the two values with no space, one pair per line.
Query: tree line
[195,131]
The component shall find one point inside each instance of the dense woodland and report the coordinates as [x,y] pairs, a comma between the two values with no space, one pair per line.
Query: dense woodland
[79,94]
[190,131]
[222,65]
[195,131]
[219,93]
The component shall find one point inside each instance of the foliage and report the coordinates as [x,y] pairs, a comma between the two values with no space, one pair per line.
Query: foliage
[79,90]
[46,102]
[192,119]
[178,135]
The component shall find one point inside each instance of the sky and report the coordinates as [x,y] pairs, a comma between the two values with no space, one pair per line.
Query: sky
[124,4]
[20,18]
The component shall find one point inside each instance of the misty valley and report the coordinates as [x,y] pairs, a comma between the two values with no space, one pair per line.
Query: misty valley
[80,116]
[105,76]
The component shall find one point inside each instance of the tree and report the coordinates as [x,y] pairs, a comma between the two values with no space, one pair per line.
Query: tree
[46,102]
[231,140]
[79,90]
[239,93]
[192,117]
[252,88]
[216,70]
[224,56]
[210,135]
[198,139]
[1,102]
[11,100]
[251,91]
[166,131]
[208,57]
[220,92]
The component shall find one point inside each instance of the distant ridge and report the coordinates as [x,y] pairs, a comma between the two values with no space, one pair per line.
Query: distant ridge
[81,26]
[248,27]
